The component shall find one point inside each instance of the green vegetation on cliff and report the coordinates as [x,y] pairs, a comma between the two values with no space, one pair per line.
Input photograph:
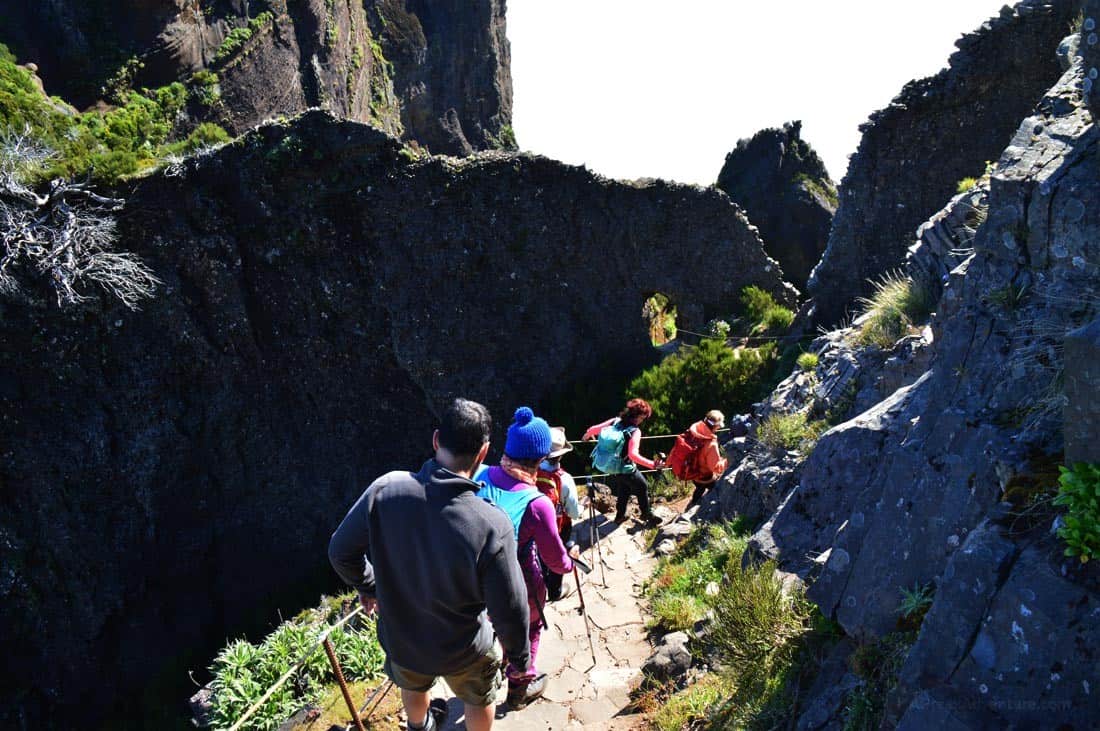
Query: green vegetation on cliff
[106,145]
[766,638]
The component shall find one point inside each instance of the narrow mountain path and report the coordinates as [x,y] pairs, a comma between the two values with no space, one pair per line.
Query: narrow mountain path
[582,695]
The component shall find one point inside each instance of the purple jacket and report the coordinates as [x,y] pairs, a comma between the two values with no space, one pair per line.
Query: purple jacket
[539,523]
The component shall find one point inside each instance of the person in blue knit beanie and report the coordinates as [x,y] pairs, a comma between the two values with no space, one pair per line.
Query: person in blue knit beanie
[511,487]
[528,436]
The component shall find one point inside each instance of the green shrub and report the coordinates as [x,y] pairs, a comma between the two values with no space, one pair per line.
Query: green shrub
[691,706]
[896,306]
[915,602]
[790,431]
[1079,494]
[669,488]
[877,664]
[764,313]
[687,384]
[807,361]
[237,37]
[965,184]
[105,145]
[677,589]
[243,671]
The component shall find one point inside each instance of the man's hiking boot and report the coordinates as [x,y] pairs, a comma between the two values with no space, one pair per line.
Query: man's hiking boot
[437,716]
[520,695]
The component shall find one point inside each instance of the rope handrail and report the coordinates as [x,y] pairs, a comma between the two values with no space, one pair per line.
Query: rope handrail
[654,436]
[294,669]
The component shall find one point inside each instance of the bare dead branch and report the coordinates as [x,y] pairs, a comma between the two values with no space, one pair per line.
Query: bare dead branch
[65,235]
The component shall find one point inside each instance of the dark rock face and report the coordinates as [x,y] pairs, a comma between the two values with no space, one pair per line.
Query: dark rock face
[169,471]
[912,491]
[936,132]
[784,188]
[456,96]
[434,71]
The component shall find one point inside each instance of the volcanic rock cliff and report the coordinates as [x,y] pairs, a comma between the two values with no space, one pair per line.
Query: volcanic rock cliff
[786,192]
[936,478]
[936,132]
[434,71]
[166,472]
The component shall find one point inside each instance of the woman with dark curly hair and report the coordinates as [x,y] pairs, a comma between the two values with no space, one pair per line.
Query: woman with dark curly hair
[616,454]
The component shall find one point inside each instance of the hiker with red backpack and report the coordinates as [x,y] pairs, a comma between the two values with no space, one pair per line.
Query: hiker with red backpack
[696,456]
[558,485]
[616,454]
[511,487]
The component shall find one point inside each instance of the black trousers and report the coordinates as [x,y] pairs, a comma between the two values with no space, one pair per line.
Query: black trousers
[701,490]
[553,580]
[625,485]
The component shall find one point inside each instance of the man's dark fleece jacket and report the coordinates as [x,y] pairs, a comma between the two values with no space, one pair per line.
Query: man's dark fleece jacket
[435,556]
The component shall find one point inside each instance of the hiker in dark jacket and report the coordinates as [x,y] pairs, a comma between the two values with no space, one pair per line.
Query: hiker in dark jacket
[432,557]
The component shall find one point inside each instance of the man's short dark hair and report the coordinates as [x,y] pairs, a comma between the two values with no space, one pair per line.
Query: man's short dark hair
[465,428]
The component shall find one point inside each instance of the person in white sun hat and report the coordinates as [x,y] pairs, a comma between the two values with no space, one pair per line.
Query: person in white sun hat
[559,486]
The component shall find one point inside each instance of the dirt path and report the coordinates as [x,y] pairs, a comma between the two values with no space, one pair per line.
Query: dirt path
[580,694]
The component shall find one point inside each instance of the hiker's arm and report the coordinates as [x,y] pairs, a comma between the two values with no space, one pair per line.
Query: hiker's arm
[634,455]
[594,430]
[569,499]
[551,550]
[349,548]
[506,598]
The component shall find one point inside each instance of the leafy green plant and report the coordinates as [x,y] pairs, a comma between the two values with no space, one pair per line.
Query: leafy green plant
[763,312]
[691,706]
[103,145]
[965,184]
[243,671]
[237,37]
[790,431]
[669,488]
[807,361]
[1079,494]
[915,602]
[687,384]
[896,306]
[677,589]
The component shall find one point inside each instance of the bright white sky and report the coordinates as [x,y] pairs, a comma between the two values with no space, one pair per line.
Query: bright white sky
[652,88]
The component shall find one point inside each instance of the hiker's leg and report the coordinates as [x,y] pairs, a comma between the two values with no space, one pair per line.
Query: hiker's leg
[478,718]
[622,496]
[416,707]
[476,686]
[641,489]
[700,491]
[534,633]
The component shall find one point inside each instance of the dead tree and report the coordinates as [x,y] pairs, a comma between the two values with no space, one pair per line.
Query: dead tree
[65,234]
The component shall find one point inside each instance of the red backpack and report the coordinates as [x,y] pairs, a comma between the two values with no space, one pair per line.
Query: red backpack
[684,456]
[549,484]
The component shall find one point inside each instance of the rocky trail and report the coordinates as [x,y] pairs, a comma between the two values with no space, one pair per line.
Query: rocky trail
[581,695]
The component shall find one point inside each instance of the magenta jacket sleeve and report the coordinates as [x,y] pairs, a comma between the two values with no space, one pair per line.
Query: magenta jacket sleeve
[545,526]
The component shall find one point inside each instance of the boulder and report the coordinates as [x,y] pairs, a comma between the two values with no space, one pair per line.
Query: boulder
[671,660]
[1082,403]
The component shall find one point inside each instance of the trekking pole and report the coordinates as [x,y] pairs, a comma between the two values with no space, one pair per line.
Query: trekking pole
[599,551]
[331,652]
[584,613]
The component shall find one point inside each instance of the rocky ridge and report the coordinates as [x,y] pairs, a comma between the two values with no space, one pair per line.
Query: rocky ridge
[936,132]
[325,290]
[786,191]
[931,484]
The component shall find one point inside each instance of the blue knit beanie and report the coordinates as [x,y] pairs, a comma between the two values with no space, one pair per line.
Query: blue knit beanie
[528,436]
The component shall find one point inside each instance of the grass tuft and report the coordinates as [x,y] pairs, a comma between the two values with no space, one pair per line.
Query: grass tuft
[807,361]
[790,432]
[896,306]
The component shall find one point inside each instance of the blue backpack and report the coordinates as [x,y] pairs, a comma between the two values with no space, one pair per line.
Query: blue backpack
[610,453]
[513,502]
